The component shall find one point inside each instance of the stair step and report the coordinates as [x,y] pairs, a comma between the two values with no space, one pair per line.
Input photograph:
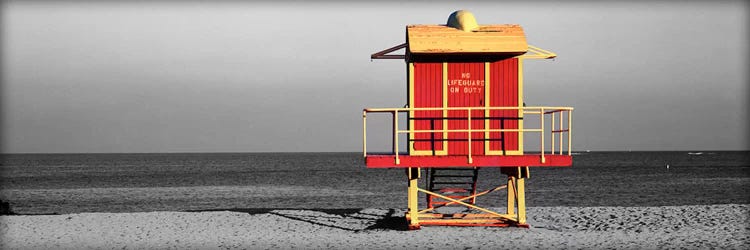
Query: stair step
[452,182]
[451,190]
[456,169]
[446,202]
[450,175]
[452,196]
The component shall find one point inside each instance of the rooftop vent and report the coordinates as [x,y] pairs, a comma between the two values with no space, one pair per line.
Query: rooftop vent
[463,20]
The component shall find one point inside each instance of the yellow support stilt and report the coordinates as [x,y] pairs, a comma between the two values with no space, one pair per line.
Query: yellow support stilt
[521,200]
[413,198]
[511,210]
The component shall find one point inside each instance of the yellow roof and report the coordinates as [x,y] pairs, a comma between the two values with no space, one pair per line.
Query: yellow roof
[442,39]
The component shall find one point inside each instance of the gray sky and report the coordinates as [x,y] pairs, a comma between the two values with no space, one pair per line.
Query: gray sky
[185,76]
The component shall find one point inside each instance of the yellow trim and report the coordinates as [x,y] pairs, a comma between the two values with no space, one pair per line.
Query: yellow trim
[411,111]
[520,104]
[488,100]
[487,85]
[445,105]
[413,151]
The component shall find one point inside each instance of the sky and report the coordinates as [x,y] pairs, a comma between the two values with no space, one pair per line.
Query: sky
[188,76]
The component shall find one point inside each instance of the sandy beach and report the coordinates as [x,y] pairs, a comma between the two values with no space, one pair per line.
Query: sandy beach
[692,227]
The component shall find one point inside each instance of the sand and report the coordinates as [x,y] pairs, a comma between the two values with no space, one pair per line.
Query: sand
[691,227]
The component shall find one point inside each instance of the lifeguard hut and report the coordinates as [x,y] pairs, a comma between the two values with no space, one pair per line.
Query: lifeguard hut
[465,110]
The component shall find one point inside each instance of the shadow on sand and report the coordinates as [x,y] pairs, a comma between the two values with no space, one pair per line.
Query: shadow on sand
[330,217]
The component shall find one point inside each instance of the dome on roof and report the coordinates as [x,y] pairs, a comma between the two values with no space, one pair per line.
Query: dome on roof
[463,20]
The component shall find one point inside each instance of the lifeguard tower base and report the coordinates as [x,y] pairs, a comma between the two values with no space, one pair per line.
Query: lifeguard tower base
[465,111]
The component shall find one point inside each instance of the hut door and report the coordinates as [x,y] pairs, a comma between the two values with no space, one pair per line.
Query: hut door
[466,88]
[504,90]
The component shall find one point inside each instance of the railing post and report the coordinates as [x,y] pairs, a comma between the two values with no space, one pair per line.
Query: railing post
[552,132]
[541,121]
[395,135]
[560,133]
[570,130]
[469,120]
[364,133]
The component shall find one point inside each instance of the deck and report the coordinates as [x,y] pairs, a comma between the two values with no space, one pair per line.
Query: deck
[527,160]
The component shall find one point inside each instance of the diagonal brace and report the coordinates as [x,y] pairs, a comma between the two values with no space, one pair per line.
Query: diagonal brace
[384,53]
[465,198]
[467,204]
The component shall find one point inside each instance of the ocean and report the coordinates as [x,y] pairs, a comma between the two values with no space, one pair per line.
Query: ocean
[76,183]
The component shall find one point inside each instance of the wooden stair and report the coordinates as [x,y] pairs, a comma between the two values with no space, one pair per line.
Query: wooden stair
[455,183]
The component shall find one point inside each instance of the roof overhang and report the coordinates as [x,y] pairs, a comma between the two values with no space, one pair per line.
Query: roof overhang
[537,53]
[532,52]
[505,39]
[444,43]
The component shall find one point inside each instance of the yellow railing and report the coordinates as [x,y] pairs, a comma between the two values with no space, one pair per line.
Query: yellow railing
[558,126]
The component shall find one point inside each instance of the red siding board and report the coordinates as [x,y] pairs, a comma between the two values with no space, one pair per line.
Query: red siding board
[428,92]
[504,93]
[466,89]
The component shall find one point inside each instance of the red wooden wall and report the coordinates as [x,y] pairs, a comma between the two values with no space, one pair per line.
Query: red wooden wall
[504,92]
[428,92]
[465,88]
